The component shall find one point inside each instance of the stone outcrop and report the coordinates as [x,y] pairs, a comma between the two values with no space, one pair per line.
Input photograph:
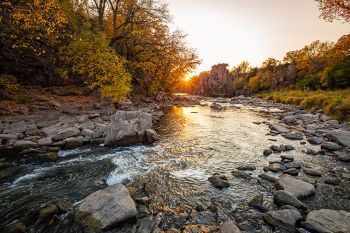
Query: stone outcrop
[109,206]
[217,83]
[129,128]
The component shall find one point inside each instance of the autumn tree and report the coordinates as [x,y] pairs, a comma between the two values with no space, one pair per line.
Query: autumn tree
[334,10]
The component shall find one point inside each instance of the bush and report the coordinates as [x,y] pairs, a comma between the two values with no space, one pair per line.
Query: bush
[92,60]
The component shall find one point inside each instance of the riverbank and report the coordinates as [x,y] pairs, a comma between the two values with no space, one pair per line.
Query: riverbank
[335,104]
[257,146]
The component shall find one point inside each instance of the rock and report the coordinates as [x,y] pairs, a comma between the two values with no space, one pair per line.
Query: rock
[283,197]
[17,227]
[343,156]
[290,120]
[332,180]
[291,171]
[300,189]
[267,152]
[288,207]
[289,147]
[14,128]
[47,212]
[295,165]
[315,140]
[25,144]
[310,151]
[326,220]
[64,133]
[8,136]
[256,201]
[230,227]
[219,181]
[87,132]
[341,137]
[269,177]
[330,146]
[275,148]
[110,206]
[45,141]
[73,142]
[287,157]
[150,136]
[285,219]
[47,157]
[129,128]
[278,127]
[293,136]
[71,110]
[246,167]
[277,167]
[143,200]
[242,174]
[312,172]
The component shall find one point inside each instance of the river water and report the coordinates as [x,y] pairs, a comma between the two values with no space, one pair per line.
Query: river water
[194,143]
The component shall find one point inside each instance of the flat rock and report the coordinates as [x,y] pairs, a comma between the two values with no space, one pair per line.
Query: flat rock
[312,172]
[291,171]
[293,136]
[283,197]
[64,133]
[25,144]
[230,227]
[280,128]
[45,141]
[246,167]
[269,177]
[109,206]
[8,136]
[343,156]
[332,146]
[285,219]
[341,137]
[315,140]
[326,220]
[277,167]
[300,189]
[18,127]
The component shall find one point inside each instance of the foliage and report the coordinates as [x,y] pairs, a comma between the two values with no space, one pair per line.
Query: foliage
[333,103]
[24,99]
[334,9]
[92,60]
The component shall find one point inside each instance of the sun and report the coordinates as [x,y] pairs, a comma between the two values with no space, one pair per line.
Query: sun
[187,78]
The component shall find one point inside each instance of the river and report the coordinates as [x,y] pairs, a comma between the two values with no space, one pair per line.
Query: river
[194,143]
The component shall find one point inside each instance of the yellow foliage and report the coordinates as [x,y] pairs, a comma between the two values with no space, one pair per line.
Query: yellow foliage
[90,57]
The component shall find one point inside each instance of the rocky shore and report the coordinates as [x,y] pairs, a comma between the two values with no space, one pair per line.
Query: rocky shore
[39,138]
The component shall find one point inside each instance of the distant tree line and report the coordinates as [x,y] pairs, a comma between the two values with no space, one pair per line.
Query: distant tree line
[110,46]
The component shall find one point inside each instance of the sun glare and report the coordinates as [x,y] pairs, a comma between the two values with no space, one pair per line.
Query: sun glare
[187,78]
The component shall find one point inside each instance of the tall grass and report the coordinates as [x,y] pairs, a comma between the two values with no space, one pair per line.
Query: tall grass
[335,104]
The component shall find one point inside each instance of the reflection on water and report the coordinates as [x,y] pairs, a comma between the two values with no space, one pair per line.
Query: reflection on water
[195,142]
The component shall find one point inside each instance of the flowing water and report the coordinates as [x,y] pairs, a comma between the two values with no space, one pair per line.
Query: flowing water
[194,143]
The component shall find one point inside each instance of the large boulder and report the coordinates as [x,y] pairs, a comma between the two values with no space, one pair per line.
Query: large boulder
[300,189]
[109,206]
[325,221]
[285,219]
[128,128]
[341,137]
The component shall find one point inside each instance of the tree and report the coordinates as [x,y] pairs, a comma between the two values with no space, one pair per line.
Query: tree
[91,60]
[334,9]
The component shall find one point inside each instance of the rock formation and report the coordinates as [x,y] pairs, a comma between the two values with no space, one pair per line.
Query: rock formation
[217,83]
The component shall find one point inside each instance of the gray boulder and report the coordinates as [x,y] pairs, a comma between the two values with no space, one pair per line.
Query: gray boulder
[312,172]
[326,221]
[130,128]
[341,137]
[278,127]
[18,127]
[315,140]
[25,144]
[246,167]
[219,181]
[332,146]
[283,197]
[343,156]
[45,141]
[109,206]
[230,227]
[300,189]
[285,219]
[293,136]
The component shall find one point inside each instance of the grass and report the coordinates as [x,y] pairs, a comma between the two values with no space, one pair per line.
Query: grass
[335,104]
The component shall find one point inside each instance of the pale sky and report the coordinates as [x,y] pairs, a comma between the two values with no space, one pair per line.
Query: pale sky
[230,31]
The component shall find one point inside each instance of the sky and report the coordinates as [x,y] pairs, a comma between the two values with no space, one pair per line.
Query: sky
[230,31]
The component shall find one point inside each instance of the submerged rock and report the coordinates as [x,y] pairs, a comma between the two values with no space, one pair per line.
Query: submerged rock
[219,181]
[326,220]
[300,189]
[109,206]
[246,167]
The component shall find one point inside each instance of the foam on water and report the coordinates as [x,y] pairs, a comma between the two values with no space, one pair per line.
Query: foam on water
[190,173]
